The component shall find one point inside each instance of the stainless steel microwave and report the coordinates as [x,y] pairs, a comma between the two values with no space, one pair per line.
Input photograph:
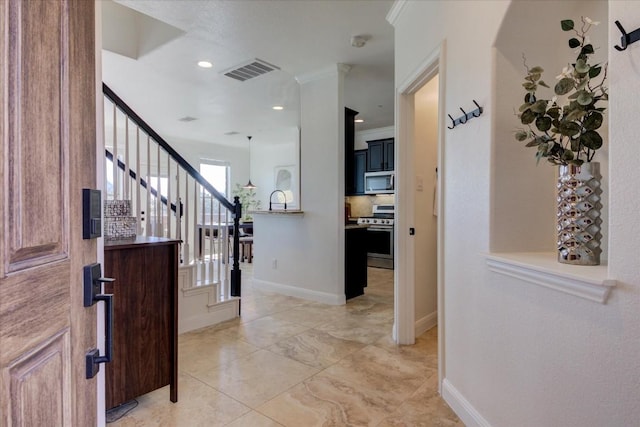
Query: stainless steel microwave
[379,182]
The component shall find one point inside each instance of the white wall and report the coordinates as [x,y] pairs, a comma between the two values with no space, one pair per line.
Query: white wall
[518,354]
[425,162]
[362,136]
[309,249]
[269,150]
[194,151]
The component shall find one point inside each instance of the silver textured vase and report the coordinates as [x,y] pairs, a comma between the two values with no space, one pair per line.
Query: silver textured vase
[579,214]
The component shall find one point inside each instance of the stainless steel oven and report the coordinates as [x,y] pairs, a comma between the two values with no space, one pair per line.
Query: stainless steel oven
[380,236]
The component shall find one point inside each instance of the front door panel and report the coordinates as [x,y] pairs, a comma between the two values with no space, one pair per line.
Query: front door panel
[47,126]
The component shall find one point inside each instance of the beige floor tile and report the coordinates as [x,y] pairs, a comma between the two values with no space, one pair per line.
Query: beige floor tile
[361,329]
[264,331]
[424,351]
[328,401]
[309,315]
[258,370]
[378,369]
[196,404]
[258,377]
[424,409]
[254,419]
[315,348]
[202,352]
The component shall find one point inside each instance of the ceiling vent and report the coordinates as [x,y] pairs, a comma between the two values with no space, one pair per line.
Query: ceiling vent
[233,132]
[187,119]
[248,70]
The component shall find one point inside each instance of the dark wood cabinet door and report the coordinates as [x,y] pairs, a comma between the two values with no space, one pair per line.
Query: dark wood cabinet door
[144,319]
[360,166]
[388,155]
[375,157]
[380,156]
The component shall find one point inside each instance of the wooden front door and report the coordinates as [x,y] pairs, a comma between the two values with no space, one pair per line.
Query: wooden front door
[47,155]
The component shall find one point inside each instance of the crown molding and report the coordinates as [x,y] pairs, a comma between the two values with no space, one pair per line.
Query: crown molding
[395,11]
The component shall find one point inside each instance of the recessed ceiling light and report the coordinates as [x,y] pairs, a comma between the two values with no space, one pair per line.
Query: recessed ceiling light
[359,120]
[278,107]
[205,64]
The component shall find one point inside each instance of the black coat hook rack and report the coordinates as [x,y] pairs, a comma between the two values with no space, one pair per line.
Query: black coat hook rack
[627,38]
[467,116]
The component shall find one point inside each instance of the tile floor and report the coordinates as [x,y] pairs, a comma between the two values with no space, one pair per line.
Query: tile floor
[292,362]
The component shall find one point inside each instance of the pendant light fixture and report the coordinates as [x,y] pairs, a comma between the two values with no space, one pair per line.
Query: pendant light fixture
[249,185]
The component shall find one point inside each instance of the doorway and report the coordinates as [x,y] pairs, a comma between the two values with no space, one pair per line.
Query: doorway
[419,283]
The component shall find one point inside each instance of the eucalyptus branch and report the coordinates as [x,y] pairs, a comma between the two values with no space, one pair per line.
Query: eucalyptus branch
[565,134]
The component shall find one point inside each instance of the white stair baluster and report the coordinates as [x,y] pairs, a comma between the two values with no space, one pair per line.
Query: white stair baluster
[148,217]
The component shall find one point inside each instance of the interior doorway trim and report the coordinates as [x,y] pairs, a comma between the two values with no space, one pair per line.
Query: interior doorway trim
[404,280]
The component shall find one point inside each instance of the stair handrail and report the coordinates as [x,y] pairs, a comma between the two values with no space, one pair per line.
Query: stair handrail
[235,207]
[165,145]
[133,175]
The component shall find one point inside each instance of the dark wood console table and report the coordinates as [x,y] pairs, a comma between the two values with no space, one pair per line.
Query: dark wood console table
[145,318]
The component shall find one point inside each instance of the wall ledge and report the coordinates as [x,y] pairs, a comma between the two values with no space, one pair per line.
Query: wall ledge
[541,268]
[279,212]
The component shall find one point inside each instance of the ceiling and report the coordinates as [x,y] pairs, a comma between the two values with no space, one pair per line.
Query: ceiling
[151,50]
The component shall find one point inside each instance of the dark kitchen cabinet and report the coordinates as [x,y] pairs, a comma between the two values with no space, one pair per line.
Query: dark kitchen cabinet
[355,265]
[349,147]
[359,168]
[380,156]
[145,318]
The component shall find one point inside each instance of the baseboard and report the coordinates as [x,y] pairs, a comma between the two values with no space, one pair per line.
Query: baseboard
[294,291]
[461,406]
[426,323]
[211,315]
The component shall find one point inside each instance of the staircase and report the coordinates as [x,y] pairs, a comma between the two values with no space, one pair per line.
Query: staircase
[171,199]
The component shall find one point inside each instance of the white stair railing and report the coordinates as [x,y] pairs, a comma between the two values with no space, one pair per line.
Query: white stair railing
[170,198]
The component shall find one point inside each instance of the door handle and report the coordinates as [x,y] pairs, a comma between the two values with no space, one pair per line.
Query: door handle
[92,288]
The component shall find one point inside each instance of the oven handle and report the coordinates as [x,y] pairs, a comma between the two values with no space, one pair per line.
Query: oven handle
[380,228]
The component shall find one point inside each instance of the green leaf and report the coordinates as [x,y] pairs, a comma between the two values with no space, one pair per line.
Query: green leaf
[585,98]
[576,114]
[593,121]
[533,143]
[591,139]
[524,107]
[539,106]
[537,69]
[527,117]
[586,49]
[582,66]
[543,123]
[530,98]
[574,42]
[529,86]
[569,128]
[554,112]
[574,95]
[521,135]
[566,25]
[594,72]
[564,86]
[567,155]
[542,83]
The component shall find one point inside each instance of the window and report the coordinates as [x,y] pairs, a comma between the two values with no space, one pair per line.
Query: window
[217,173]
